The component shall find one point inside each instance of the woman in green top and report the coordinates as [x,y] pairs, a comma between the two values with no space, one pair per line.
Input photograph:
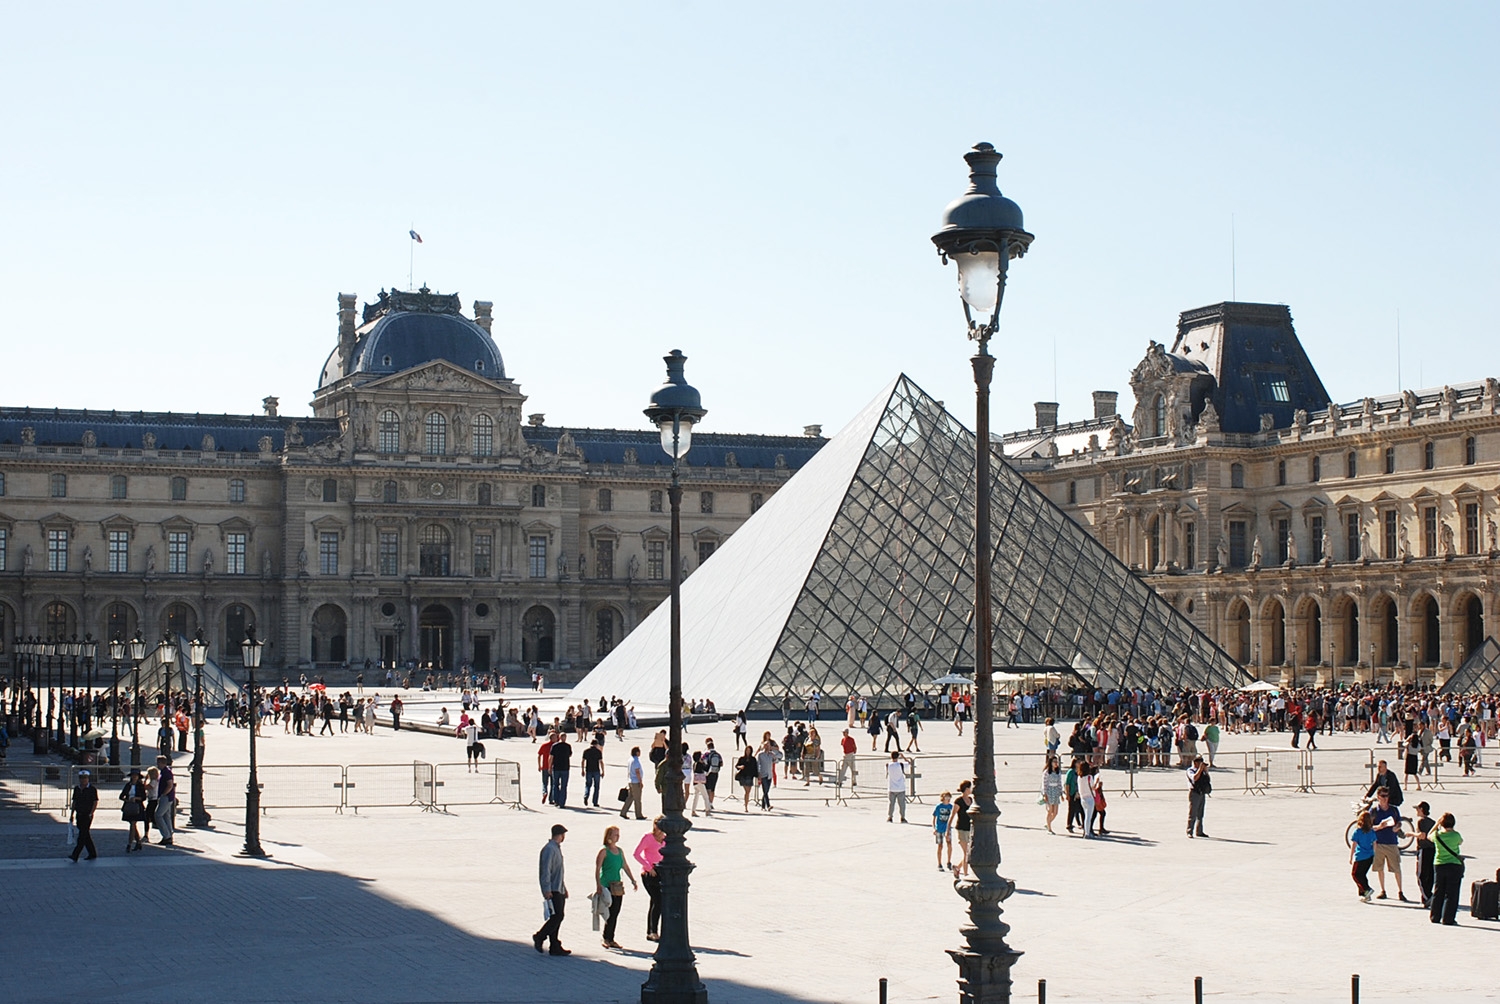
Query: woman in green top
[1449,873]
[607,868]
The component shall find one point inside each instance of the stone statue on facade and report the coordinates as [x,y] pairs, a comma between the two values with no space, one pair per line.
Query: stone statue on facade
[302,561]
[1327,548]
[1494,534]
[150,559]
[26,559]
[630,455]
[1222,552]
[633,567]
[90,439]
[583,564]
[562,565]
[148,440]
[1255,554]
[266,568]
[1403,543]
[1446,539]
[566,447]
[1367,411]
[1365,551]
[1267,421]
[28,436]
[1291,550]
[265,444]
[1208,419]
[208,561]
[1450,401]
[207,445]
[293,435]
[88,558]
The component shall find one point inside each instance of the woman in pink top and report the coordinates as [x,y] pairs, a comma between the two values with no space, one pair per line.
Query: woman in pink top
[648,854]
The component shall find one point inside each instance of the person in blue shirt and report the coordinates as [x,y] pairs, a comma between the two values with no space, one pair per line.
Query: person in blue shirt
[1386,821]
[1362,855]
[942,813]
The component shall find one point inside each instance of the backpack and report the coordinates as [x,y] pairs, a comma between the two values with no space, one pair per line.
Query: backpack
[1192,732]
[1204,784]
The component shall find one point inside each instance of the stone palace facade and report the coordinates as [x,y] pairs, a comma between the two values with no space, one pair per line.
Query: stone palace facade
[1316,542]
[414,516]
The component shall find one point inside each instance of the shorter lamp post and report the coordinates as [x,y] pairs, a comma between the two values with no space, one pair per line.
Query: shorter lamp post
[116,656]
[250,653]
[199,655]
[137,656]
[166,654]
[34,682]
[54,699]
[70,707]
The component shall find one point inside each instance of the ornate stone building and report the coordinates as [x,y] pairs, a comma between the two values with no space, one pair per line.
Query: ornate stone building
[415,515]
[1316,542]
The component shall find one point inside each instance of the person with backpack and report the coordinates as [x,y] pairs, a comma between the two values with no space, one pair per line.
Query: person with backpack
[1199,788]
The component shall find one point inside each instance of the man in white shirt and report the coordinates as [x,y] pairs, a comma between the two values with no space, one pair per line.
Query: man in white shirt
[635,779]
[471,739]
[896,777]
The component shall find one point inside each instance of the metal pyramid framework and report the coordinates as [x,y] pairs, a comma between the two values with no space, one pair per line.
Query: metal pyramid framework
[857,577]
[1479,674]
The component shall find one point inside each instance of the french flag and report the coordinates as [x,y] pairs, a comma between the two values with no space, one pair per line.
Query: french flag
[415,236]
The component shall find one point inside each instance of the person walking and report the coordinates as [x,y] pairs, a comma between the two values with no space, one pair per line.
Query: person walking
[1086,798]
[963,825]
[609,865]
[848,747]
[635,783]
[133,807]
[593,770]
[1362,855]
[1070,788]
[561,758]
[713,764]
[1387,822]
[746,770]
[1052,788]
[873,727]
[913,726]
[1200,786]
[396,706]
[166,801]
[648,856]
[81,812]
[471,744]
[1426,850]
[554,893]
[1448,875]
[895,773]
[942,831]
[765,768]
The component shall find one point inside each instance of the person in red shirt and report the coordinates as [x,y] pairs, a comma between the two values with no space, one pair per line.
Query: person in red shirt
[848,745]
[544,764]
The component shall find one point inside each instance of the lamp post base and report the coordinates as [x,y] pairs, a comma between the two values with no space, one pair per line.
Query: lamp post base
[663,989]
[984,978]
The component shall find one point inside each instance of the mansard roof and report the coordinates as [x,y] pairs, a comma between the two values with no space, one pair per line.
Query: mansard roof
[173,431]
[711,449]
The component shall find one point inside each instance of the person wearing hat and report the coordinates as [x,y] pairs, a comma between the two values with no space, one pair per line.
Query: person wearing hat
[1199,786]
[554,892]
[133,809]
[81,813]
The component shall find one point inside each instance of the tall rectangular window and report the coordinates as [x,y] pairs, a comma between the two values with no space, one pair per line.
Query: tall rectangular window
[388,436]
[483,549]
[58,486]
[2,484]
[330,490]
[1351,536]
[1390,460]
[1351,464]
[117,486]
[1471,528]
[484,435]
[389,552]
[436,440]
[705,501]
[1237,553]
[1283,540]
[236,489]
[653,500]
[537,557]
[1317,469]
[1389,533]
[606,500]
[328,553]
[57,550]
[1471,450]
[705,550]
[1190,545]
[234,553]
[177,552]
[1429,532]
[604,559]
[179,489]
[656,559]
[119,550]
[4,546]
[1317,538]
[757,499]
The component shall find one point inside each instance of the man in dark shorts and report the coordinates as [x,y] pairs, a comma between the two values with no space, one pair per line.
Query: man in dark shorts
[593,770]
[713,760]
[1386,820]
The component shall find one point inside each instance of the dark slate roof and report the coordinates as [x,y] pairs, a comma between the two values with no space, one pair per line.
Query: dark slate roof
[413,329]
[1253,354]
[123,430]
[608,446]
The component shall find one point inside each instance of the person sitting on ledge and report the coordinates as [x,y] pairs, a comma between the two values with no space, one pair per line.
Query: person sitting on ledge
[443,716]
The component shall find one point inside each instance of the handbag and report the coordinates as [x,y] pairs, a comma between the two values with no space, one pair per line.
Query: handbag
[624,794]
[132,811]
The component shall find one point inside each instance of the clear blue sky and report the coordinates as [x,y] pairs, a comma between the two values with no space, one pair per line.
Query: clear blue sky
[187,187]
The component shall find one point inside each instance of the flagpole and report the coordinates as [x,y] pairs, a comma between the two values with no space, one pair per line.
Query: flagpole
[411,256]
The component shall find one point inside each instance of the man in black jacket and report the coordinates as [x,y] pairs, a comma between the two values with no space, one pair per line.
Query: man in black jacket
[85,801]
[1385,778]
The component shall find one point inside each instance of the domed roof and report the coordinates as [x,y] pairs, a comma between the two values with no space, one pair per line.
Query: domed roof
[403,330]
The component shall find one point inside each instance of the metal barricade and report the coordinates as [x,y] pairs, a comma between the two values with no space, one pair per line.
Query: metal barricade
[369,786]
[424,785]
[508,784]
[21,787]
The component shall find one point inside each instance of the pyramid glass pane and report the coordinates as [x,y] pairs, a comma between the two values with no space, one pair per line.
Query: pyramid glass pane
[858,577]
[1480,673]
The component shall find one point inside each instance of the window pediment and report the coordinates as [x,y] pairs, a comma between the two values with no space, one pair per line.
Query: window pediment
[328,523]
[57,521]
[118,521]
[178,524]
[654,532]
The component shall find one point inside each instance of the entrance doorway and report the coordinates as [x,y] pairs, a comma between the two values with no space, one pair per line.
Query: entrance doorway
[481,653]
[536,635]
[437,637]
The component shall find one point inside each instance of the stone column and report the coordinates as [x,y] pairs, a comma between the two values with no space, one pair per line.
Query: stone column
[462,649]
[413,641]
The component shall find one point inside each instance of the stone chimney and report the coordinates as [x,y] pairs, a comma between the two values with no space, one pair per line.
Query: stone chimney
[812,431]
[483,314]
[1106,403]
[346,332]
[270,404]
[1046,414]
[537,419]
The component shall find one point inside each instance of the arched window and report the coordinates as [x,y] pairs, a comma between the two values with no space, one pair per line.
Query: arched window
[117,486]
[389,440]
[1236,475]
[484,435]
[435,553]
[539,496]
[1159,416]
[436,429]
[1429,455]
[388,492]
[59,618]
[117,622]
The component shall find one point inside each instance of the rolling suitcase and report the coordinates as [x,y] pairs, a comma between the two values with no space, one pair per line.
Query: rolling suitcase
[1484,899]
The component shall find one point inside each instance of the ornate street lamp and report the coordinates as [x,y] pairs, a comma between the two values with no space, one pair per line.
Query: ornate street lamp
[116,656]
[675,409]
[166,655]
[250,656]
[89,648]
[72,650]
[199,649]
[137,656]
[54,713]
[982,231]
[33,678]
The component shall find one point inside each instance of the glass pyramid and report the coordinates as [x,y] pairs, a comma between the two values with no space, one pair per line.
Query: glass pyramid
[1480,672]
[857,577]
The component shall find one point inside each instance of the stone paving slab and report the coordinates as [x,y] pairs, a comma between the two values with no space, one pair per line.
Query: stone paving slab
[812,902]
